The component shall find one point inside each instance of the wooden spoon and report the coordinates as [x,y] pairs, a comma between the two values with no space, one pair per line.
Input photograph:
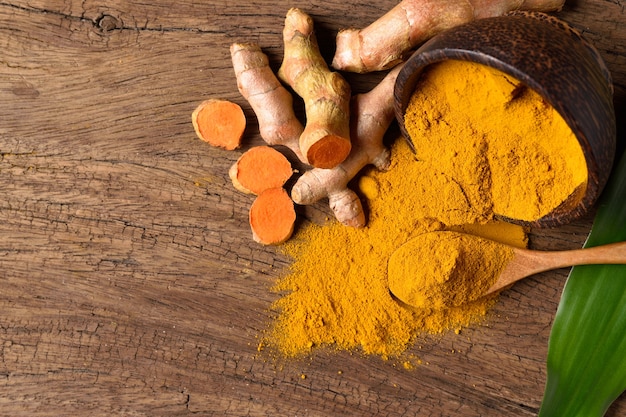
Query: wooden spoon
[464,277]
[528,262]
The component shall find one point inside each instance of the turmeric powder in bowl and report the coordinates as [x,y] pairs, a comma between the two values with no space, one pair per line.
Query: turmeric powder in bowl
[540,180]
[481,126]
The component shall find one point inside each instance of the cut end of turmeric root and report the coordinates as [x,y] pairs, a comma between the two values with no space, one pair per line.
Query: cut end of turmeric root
[221,123]
[260,168]
[272,217]
[327,152]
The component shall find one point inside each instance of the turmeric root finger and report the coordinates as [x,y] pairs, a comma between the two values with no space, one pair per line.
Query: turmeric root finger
[260,168]
[272,217]
[386,41]
[373,113]
[221,123]
[270,101]
[325,141]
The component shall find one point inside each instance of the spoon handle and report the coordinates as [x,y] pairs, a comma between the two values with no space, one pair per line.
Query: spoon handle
[613,253]
[529,262]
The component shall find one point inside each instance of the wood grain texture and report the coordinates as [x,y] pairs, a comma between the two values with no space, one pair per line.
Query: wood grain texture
[129,282]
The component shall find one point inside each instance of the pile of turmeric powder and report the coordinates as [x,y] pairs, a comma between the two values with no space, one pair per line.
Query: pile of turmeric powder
[336,291]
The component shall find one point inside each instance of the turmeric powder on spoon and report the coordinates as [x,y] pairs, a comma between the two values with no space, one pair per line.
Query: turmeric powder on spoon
[445,269]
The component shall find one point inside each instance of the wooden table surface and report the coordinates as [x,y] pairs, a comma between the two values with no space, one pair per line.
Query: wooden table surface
[129,282]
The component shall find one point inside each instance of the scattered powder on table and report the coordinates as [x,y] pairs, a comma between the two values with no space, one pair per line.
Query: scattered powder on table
[336,293]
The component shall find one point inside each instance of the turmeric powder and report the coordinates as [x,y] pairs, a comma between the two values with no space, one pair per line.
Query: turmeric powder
[485,145]
[483,127]
[336,293]
[445,269]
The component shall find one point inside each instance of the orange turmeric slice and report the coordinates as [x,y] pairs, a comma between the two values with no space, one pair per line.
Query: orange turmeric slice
[260,168]
[221,123]
[272,217]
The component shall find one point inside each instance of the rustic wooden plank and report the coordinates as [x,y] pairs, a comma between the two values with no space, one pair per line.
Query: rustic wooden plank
[129,284]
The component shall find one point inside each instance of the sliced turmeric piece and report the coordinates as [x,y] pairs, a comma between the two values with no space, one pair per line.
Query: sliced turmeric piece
[260,168]
[272,217]
[221,123]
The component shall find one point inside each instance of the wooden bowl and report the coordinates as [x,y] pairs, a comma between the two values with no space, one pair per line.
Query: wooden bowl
[553,59]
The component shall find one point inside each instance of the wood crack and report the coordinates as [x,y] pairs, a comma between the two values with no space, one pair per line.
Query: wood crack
[107,22]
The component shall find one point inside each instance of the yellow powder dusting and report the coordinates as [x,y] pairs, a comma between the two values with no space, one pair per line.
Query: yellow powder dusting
[445,269]
[505,145]
[336,292]
[485,144]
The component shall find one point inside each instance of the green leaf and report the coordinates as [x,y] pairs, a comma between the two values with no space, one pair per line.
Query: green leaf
[587,349]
